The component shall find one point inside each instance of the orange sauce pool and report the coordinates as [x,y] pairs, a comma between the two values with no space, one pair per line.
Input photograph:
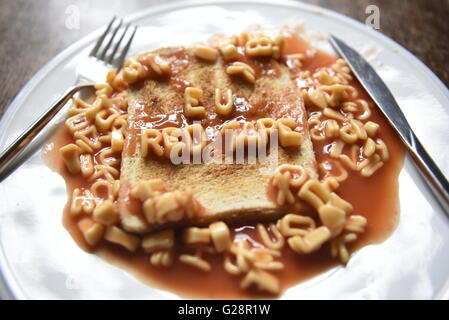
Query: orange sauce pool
[375,197]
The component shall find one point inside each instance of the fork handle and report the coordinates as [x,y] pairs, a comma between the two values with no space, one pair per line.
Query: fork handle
[9,159]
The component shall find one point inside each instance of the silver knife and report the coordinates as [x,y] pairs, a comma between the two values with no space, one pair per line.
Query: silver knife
[382,96]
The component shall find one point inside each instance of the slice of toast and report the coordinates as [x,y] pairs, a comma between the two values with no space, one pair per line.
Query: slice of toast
[234,193]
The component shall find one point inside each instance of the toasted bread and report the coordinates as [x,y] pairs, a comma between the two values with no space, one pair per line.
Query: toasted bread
[234,193]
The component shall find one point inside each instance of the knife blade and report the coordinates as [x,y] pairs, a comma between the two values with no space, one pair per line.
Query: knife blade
[384,99]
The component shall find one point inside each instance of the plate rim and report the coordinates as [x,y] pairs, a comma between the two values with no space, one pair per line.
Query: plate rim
[11,289]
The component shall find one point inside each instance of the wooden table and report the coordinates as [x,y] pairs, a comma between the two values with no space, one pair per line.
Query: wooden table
[32,32]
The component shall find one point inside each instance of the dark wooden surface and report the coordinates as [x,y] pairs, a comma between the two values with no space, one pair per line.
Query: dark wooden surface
[32,32]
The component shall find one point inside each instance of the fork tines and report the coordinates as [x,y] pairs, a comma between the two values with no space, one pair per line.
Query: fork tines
[111,50]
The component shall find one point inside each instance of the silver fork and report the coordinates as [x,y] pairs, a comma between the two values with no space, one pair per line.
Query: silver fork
[107,53]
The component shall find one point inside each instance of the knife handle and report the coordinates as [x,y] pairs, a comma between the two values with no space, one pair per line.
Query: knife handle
[432,174]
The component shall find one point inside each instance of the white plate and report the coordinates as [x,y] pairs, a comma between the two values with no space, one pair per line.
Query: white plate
[39,259]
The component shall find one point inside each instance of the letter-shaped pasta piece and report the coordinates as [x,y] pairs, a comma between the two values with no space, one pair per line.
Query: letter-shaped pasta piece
[105,118]
[158,65]
[103,89]
[89,135]
[106,213]
[187,202]
[243,70]
[116,235]
[116,188]
[352,161]
[120,123]
[116,80]
[266,239]
[102,189]
[242,251]
[312,241]
[220,108]
[162,240]
[271,265]
[328,166]
[371,128]
[104,172]
[107,158]
[359,129]
[336,148]
[338,246]
[172,144]
[356,224]
[278,46]
[325,78]
[282,182]
[192,107]
[297,174]
[263,259]
[86,165]
[151,139]
[316,129]
[149,210]
[262,280]
[344,205]
[332,129]
[360,108]
[295,225]
[335,93]
[348,134]
[314,193]
[369,148]
[333,218]
[370,166]
[71,155]
[167,208]
[77,122]
[231,267]
[265,128]
[287,136]
[330,183]
[261,47]
[147,189]
[195,261]
[92,232]
[220,235]
[240,39]
[80,106]
[381,147]
[81,203]
[117,140]
[342,68]
[228,50]
[133,71]
[84,146]
[350,106]
[194,235]
[295,60]
[162,258]
[316,97]
[206,53]
[265,125]
[333,114]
